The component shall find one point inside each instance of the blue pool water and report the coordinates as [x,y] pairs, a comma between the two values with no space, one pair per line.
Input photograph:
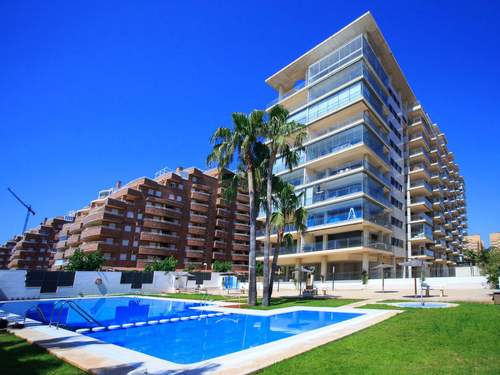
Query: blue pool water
[185,341]
[107,311]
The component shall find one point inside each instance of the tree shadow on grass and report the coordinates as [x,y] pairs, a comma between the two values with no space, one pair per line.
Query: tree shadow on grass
[19,357]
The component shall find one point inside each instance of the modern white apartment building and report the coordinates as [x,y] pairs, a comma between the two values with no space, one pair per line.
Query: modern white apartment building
[367,200]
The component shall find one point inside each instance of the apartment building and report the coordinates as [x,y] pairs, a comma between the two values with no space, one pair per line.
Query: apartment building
[495,240]
[35,248]
[473,242]
[367,201]
[181,214]
[6,251]
[437,223]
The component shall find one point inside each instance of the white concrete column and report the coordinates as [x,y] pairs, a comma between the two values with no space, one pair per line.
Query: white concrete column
[325,242]
[365,263]
[324,267]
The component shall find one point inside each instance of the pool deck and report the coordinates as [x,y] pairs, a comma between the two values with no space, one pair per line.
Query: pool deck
[97,357]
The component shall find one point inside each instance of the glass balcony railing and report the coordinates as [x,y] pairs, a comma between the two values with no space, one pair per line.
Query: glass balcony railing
[344,243]
[420,183]
[421,231]
[357,135]
[419,200]
[352,184]
[345,212]
[421,217]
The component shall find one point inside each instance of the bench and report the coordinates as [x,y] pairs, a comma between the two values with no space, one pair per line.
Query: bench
[428,288]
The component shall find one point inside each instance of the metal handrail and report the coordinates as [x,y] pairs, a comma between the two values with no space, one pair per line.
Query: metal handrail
[40,312]
[76,308]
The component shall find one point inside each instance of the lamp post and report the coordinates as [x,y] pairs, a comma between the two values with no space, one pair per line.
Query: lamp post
[205,265]
[333,278]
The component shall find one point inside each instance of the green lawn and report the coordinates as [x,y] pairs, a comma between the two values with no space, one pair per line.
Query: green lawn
[278,303]
[18,357]
[460,340]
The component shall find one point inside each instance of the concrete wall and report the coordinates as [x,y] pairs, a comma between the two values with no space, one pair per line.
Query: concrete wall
[390,284]
[12,285]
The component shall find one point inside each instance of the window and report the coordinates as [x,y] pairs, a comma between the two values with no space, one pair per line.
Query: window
[127,228]
[396,203]
[139,216]
[195,179]
[158,193]
[151,192]
[125,242]
[130,214]
[396,222]
[396,242]
[173,185]
[109,241]
[133,257]
[171,196]
[136,243]
[395,147]
[123,256]
[112,225]
[181,187]
[396,165]
[179,198]
[396,184]
[137,229]
[107,256]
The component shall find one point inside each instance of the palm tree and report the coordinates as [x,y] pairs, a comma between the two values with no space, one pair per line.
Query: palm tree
[242,142]
[284,138]
[288,211]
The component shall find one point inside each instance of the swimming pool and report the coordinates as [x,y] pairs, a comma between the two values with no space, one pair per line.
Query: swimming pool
[184,332]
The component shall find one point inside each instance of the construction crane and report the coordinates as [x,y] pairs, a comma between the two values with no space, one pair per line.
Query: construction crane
[28,208]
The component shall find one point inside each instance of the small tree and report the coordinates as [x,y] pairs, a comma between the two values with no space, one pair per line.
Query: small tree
[167,264]
[222,266]
[489,263]
[81,261]
[259,268]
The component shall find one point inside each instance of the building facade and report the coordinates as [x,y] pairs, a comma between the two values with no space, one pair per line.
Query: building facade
[6,252]
[473,243]
[495,240]
[368,171]
[181,214]
[35,248]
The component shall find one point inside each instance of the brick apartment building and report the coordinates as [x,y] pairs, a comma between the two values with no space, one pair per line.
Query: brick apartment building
[181,214]
[6,251]
[34,249]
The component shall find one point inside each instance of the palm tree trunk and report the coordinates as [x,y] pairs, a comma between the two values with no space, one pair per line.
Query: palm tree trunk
[252,276]
[274,266]
[266,299]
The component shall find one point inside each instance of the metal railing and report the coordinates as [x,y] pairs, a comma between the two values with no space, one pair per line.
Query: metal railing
[76,308]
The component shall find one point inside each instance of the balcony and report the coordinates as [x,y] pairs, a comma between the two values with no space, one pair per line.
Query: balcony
[222,212]
[222,234]
[199,207]
[99,246]
[420,204]
[240,247]
[151,223]
[95,232]
[240,236]
[423,254]
[97,217]
[159,237]
[418,218]
[195,241]
[74,240]
[194,229]
[198,219]
[196,254]
[347,243]
[163,211]
[239,257]
[241,227]
[162,251]
[420,187]
[221,245]
[200,196]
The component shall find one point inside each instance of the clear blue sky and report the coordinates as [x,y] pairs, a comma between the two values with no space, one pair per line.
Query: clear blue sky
[93,91]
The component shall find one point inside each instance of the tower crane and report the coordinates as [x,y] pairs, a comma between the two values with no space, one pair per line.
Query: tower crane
[27,206]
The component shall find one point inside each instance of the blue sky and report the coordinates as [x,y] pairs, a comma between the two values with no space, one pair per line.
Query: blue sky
[92,92]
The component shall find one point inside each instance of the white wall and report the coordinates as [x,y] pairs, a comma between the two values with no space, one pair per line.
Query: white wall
[12,285]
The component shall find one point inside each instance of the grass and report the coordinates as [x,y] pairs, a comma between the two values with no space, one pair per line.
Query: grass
[459,340]
[278,303]
[18,357]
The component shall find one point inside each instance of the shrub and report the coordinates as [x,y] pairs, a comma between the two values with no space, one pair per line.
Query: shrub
[167,264]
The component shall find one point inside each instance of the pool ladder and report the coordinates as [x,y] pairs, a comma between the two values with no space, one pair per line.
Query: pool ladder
[76,308]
